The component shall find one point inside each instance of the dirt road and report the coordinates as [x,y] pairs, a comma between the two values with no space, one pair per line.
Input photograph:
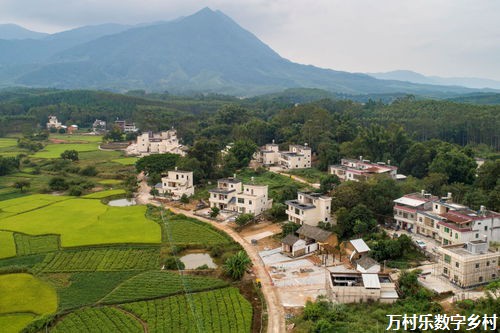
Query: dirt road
[276,313]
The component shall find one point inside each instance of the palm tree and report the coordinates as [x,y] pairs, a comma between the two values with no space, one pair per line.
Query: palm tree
[236,265]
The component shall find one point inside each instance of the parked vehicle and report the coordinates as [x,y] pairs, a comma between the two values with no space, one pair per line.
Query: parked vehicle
[421,244]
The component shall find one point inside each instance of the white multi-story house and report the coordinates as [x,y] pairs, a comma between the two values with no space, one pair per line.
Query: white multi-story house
[269,154]
[231,194]
[309,208]
[406,207]
[99,126]
[177,183]
[445,221]
[157,143]
[297,157]
[53,123]
[126,127]
[357,170]
[470,264]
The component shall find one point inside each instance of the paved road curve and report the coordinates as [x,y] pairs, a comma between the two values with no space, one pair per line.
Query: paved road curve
[276,313]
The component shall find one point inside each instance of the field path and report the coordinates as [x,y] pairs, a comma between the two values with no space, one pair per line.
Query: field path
[130,314]
[275,311]
[279,171]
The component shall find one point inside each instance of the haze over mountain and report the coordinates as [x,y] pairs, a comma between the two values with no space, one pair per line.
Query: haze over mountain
[206,52]
[410,76]
[11,31]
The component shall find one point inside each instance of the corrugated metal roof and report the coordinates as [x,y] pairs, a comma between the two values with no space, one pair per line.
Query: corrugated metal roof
[360,245]
[370,281]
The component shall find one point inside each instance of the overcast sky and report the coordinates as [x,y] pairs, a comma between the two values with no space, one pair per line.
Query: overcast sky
[433,37]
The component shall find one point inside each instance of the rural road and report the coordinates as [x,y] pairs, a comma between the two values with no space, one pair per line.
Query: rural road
[275,311]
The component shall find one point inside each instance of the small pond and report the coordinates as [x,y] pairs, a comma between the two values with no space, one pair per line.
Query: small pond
[121,202]
[195,260]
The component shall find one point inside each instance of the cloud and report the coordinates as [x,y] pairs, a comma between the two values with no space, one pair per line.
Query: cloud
[438,37]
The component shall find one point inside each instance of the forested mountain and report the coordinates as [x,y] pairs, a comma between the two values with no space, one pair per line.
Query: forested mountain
[14,31]
[410,76]
[205,52]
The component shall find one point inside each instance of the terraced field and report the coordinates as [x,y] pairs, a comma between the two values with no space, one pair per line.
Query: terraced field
[92,260]
[54,150]
[105,319]
[218,311]
[178,229]
[156,284]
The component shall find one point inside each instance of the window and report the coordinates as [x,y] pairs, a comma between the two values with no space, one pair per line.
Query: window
[485,227]
[215,195]
[477,265]
[480,279]
[250,202]
[436,206]
[493,276]
[447,259]
[477,235]
[455,278]
[446,229]
[241,200]
[487,263]
[419,219]
[445,271]
[457,264]
[456,235]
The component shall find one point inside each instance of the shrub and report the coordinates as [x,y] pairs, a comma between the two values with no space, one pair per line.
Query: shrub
[58,184]
[214,212]
[70,155]
[173,263]
[244,219]
[89,171]
[184,199]
[75,191]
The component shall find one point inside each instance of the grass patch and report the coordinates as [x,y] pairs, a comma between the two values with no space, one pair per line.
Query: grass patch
[104,194]
[312,175]
[76,137]
[83,222]
[126,160]
[87,288]
[54,150]
[105,319]
[156,284]
[275,182]
[223,310]
[101,260]
[14,323]
[25,293]
[8,142]
[7,245]
[110,181]
[26,244]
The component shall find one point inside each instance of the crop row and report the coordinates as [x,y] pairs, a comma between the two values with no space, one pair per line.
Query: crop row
[154,284]
[105,319]
[183,231]
[101,260]
[27,244]
[222,310]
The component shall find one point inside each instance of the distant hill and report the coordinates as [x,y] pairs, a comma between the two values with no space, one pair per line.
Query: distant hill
[478,98]
[409,76]
[205,52]
[14,31]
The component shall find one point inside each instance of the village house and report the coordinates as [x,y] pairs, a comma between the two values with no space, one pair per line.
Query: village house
[177,183]
[232,195]
[309,239]
[157,143]
[72,129]
[345,286]
[296,157]
[355,249]
[470,264]
[99,126]
[309,208]
[126,127]
[445,221]
[268,155]
[53,123]
[358,170]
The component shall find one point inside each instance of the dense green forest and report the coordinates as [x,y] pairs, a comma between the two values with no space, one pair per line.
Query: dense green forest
[433,142]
